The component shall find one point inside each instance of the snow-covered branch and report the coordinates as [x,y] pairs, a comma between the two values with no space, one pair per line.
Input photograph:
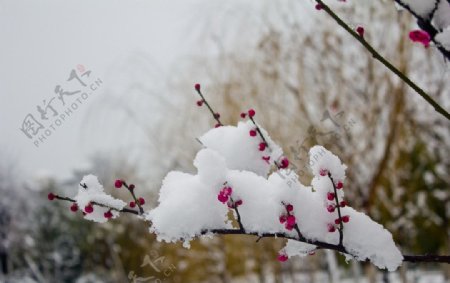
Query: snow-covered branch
[243,171]
[359,35]
[433,17]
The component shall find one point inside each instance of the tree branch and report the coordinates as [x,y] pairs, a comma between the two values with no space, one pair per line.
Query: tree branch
[126,210]
[384,61]
[338,207]
[425,24]
[214,114]
[324,245]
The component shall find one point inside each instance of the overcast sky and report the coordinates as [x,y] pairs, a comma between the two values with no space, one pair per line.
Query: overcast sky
[42,41]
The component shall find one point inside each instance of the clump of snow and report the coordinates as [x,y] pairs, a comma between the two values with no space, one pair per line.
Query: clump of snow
[366,239]
[241,150]
[190,205]
[90,190]
[442,15]
[295,248]
[422,7]
[322,159]
[444,38]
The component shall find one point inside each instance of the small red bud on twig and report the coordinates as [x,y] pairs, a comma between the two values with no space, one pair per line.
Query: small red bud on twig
[360,31]
[51,196]
[118,184]
[74,207]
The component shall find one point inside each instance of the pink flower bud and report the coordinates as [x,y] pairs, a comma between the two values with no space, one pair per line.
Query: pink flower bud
[360,31]
[331,228]
[89,208]
[330,196]
[290,220]
[284,163]
[108,214]
[51,196]
[74,207]
[420,36]
[289,227]
[289,207]
[282,257]
[222,198]
[227,191]
[118,184]
[262,146]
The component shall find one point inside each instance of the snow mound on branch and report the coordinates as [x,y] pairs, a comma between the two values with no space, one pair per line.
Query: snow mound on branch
[421,7]
[444,38]
[240,150]
[90,190]
[193,205]
[442,15]
[320,158]
[188,203]
[366,239]
[295,248]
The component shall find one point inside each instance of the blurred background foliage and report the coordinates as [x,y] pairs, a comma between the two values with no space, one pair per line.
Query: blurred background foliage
[310,83]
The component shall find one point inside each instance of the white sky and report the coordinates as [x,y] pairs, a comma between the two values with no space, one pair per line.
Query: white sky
[42,41]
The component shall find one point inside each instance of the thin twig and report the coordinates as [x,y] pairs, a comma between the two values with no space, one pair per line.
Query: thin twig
[138,203]
[426,25]
[214,114]
[238,216]
[324,245]
[264,139]
[126,210]
[341,225]
[384,61]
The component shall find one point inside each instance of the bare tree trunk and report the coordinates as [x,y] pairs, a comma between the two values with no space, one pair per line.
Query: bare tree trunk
[333,269]
[371,274]
[356,270]
[403,270]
